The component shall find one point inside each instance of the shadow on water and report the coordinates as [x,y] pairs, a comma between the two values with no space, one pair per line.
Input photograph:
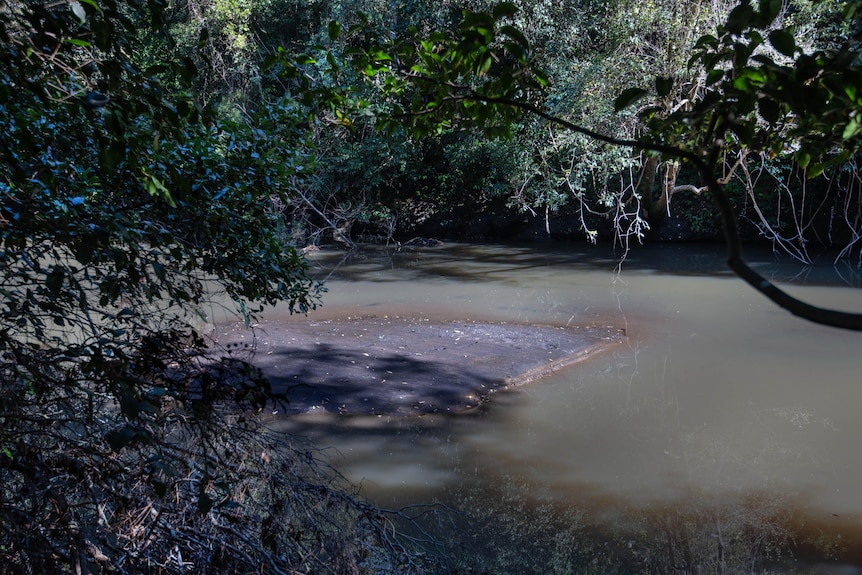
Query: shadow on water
[509,523]
[513,527]
[723,440]
[443,262]
[489,261]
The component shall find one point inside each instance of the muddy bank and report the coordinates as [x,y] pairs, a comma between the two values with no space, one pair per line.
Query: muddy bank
[405,366]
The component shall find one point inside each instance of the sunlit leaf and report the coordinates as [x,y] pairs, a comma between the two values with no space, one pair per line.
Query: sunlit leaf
[155,187]
[92,3]
[852,128]
[814,171]
[78,10]
[803,158]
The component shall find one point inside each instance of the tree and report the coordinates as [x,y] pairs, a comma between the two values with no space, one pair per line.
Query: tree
[762,94]
[127,443]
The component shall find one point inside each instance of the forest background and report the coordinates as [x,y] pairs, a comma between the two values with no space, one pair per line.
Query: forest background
[156,155]
[542,182]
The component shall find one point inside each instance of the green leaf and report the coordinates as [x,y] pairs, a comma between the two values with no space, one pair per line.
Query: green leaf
[714,76]
[752,76]
[269,61]
[663,86]
[707,40]
[92,3]
[769,110]
[851,129]
[330,59]
[484,64]
[739,18]
[516,51]
[814,171]
[504,9]
[769,10]
[628,97]
[155,187]
[334,30]
[853,92]
[542,78]
[783,41]
[803,158]
[515,35]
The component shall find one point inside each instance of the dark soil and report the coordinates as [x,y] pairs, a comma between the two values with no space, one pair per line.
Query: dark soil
[405,366]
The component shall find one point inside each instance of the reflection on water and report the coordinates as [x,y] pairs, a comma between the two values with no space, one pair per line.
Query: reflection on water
[718,392]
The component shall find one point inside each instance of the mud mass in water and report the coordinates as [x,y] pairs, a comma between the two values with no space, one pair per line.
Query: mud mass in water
[405,366]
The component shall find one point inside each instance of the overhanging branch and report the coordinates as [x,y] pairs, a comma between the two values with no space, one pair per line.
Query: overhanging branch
[730,224]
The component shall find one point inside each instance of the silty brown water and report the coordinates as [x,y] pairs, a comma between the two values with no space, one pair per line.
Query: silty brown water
[718,391]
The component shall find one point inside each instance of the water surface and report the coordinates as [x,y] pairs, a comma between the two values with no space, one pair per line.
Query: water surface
[718,391]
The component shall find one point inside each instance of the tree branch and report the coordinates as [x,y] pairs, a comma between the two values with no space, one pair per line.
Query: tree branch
[730,223]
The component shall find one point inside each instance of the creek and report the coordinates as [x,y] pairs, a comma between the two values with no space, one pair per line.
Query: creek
[717,396]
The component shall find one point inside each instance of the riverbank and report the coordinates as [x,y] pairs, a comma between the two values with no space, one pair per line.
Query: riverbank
[385,365]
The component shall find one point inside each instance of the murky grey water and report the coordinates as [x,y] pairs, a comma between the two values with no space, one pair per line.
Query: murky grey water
[717,391]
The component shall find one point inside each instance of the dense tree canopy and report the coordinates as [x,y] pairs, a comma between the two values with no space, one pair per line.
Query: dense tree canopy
[751,92]
[128,214]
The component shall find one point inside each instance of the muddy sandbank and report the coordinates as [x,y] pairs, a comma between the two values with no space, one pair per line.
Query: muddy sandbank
[405,366]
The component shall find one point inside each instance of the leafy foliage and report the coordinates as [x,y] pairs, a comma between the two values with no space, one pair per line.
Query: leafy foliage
[785,102]
[441,80]
[127,443]
[751,102]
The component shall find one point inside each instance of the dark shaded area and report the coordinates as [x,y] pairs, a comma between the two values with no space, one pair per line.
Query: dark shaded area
[684,259]
[405,366]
